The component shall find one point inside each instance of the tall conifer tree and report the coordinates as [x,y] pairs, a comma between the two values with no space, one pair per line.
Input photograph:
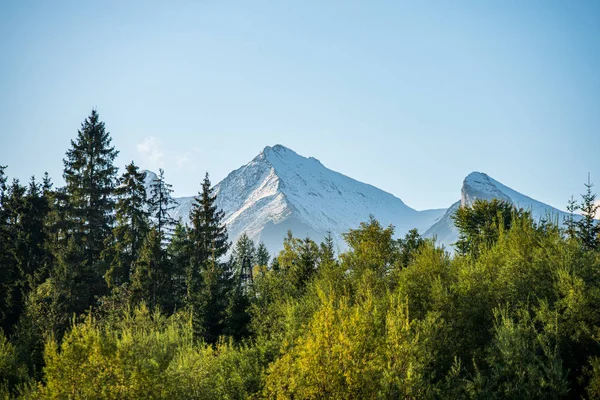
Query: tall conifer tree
[588,228]
[208,278]
[179,256]
[91,179]
[161,204]
[131,228]
[262,255]
[569,220]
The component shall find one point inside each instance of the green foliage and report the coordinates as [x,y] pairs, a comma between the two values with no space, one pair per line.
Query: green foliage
[161,204]
[515,315]
[409,246]
[524,361]
[480,224]
[242,262]
[131,228]
[145,355]
[588,228]
[208,279]
[91,178]
[12,372]
[150,281]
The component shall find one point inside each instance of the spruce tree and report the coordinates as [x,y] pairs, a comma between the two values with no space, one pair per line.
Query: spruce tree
[35,259]
[131,228]
[91,179]
[327,249]
[243,260]
[149,277]
[11,278]
[588,229]
[25,260]
[480,224]
[161,204]
[208,278]
[4,231]
[89,209]
[569,220]
[409,247]
[179,256]
[262,255]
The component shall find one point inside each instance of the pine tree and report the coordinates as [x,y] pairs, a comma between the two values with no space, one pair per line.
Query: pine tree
[4,229]
[149,275]
[327,249]
[83,218]
[11,278]
[409,246]
[25,258]
[161,204]
[569,220]
[91,179]
[132,226]
[262,255]
[208,278]
[588,229]
[480,224]
[243,260]
[35,259]
[179,255]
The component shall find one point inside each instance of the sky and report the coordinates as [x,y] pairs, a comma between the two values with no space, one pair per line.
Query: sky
[407,96]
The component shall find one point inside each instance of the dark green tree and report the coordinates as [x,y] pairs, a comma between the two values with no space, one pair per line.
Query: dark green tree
[243,260]
[161,204]
[11,278]
[131,228]
[91,178]
[298,260]
[409,246]
[588,228]
[480,224]
[570,225]
[208,278]
[327,249]
[179,256]
[25,259]
[151,274]
[34,258]
[262,255]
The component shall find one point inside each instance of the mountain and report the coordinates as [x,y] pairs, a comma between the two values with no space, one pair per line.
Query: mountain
[280,190]
[478,185]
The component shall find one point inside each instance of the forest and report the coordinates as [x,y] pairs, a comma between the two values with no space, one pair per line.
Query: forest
[103,295]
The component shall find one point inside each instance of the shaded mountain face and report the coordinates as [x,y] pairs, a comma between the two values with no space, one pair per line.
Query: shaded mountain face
[478,185]
[280,190]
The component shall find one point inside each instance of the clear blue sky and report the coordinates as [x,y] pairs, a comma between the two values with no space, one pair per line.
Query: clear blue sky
[408,96]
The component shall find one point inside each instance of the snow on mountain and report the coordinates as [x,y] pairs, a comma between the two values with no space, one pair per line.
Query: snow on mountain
[478,185]
[280,190]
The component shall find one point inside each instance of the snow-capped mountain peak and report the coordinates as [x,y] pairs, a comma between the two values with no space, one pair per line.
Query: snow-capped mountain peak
[478,185]
[280,190]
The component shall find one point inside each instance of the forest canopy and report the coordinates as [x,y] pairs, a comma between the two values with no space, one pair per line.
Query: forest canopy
[103,295]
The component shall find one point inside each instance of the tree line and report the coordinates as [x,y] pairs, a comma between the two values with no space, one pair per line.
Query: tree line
[104,295]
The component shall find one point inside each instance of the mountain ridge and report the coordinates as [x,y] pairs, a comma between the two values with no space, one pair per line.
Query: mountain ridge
[478,185]
[280,189]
